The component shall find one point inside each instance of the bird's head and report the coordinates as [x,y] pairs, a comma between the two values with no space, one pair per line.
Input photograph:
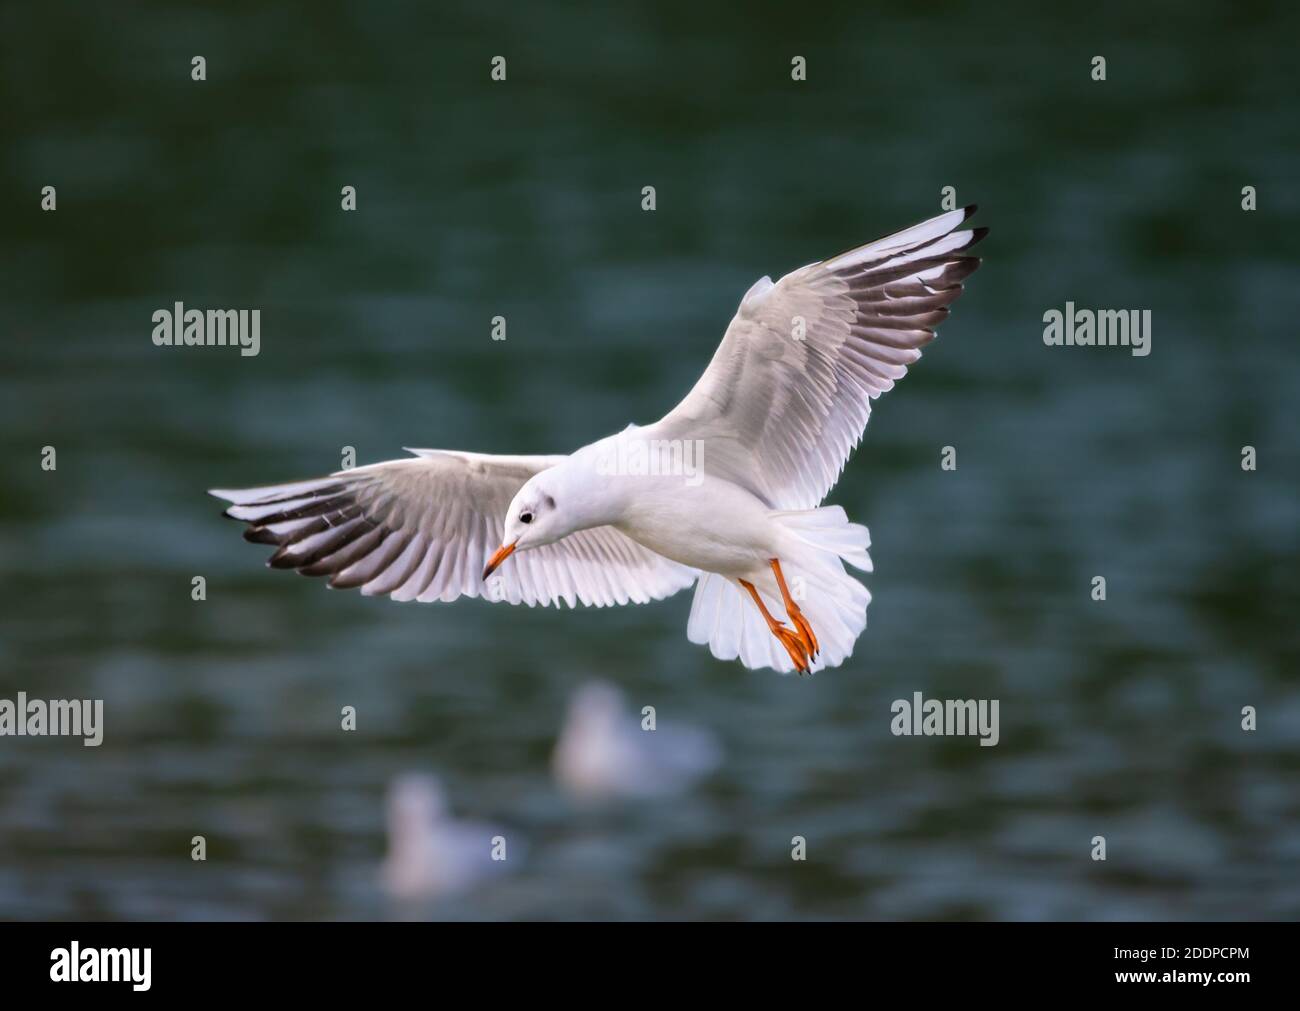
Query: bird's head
[536,517]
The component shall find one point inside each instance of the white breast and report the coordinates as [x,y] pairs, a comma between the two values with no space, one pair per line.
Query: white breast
[713,525]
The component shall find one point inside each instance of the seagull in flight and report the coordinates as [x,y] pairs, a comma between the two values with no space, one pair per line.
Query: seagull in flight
[724,492]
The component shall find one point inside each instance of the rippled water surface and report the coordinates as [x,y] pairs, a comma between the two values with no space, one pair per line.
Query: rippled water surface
[1118,718]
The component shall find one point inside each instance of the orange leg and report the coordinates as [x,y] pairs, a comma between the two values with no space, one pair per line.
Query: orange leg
[796,615]
[793,644]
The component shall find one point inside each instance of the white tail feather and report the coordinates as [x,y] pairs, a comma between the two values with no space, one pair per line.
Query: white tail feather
[835,604]
[828,529]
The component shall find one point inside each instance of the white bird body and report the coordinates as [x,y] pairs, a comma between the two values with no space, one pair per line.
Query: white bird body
[713,525]
[724,491]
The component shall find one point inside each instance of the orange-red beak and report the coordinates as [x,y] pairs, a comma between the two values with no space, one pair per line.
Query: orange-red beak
[502,553]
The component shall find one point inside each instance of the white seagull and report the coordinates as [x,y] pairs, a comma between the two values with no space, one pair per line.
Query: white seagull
[430,853]
[604,752]
[724,491]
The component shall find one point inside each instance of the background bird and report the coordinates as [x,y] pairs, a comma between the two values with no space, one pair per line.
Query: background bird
[604,752]
[431,853]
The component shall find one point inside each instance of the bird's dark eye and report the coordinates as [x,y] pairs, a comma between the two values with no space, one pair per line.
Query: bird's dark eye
[525,517]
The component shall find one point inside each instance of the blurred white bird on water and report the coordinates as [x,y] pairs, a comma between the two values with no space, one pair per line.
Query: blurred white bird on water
[605,752]
[430,853]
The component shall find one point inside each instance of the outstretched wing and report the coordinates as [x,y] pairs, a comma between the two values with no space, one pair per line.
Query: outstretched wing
[423,529]
[788,393]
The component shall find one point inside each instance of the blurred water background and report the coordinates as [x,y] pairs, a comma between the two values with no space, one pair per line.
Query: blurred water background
[522,199]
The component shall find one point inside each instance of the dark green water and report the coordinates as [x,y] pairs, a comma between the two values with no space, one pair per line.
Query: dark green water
[522,199]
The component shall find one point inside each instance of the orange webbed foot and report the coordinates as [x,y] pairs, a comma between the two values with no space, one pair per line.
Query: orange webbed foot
[794,645]
[792,611]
